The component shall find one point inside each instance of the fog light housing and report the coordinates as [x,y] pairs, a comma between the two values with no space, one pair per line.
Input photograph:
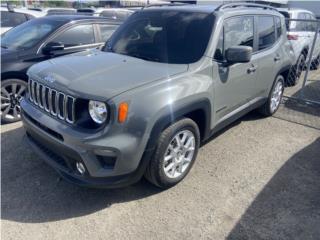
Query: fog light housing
[80,167]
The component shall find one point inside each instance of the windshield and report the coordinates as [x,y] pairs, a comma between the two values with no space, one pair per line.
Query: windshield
[28,34]
[163,36]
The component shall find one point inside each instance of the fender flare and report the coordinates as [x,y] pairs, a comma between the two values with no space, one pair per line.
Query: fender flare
[170,115]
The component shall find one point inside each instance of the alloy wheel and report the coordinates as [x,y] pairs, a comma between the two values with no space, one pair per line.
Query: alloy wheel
[276,96]
[11,94]
[179,154]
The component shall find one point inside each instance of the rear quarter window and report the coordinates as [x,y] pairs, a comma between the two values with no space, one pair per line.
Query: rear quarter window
[266,32]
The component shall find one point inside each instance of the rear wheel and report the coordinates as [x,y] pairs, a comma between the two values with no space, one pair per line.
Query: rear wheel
[274,99]
[175,154]
[12,90]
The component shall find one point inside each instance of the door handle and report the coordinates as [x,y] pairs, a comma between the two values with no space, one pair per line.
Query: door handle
[251,69]
[277,58]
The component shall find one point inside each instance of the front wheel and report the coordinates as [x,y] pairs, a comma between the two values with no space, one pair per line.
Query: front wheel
[274,98]
[175,154]
[12,90]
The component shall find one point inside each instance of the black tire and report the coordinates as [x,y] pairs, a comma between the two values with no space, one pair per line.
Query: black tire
[266,109]
[7,90]
[155,171]
[297,70]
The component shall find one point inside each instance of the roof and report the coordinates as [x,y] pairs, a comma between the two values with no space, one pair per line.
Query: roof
[241,6]
[184,7]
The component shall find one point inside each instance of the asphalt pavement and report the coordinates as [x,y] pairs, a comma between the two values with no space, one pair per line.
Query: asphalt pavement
[258,179]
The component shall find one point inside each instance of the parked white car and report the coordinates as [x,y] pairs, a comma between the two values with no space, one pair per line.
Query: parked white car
[14,17]
[301,36]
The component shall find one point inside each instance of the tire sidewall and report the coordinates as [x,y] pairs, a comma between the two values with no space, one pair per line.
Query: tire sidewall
[278,78]
[160,175]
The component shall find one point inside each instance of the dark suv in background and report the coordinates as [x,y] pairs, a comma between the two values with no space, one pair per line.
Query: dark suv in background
[42,39]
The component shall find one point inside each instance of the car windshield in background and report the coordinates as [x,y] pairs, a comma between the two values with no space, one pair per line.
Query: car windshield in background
[164,36]
[28,34]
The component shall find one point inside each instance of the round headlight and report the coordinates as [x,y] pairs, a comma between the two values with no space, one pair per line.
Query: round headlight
[98,111]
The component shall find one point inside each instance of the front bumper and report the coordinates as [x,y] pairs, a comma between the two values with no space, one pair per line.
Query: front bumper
[106,166]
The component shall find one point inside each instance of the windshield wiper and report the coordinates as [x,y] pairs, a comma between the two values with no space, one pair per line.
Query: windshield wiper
[5,47]
[136,55]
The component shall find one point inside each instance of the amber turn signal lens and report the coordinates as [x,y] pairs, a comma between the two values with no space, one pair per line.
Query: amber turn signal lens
[123,112]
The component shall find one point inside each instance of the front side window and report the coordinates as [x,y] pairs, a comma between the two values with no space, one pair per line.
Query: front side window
[266,32]
[169,36]
[12,19]
[237,31]
[76,36]
[106,31]
[28,34]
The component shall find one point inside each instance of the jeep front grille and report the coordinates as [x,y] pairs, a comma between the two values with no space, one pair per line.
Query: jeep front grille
[52,101]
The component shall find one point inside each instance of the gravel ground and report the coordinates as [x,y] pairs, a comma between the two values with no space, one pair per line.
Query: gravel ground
[259,179]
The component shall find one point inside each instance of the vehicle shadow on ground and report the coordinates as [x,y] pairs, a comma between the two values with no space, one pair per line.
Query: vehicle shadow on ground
[288,207]
[33,192]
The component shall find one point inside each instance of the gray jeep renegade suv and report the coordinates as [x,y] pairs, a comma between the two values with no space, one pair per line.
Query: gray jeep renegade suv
[168,78]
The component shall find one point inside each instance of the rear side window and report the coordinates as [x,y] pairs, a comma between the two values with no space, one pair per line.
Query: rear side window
[77,36]
[109,14]
[106,31]
[237,31]
[12,19]
[266,32]
[278,27]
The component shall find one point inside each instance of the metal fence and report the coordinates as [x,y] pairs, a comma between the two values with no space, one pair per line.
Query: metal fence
[302,94]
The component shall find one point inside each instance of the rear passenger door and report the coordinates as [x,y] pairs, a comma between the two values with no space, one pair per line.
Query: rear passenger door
[234,84]
[269,53]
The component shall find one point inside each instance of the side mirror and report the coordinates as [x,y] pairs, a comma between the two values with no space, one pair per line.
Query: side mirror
[52,47]
[239,54]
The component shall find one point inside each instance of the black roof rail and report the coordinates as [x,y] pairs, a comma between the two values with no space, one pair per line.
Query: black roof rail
[166,5]
[245,4]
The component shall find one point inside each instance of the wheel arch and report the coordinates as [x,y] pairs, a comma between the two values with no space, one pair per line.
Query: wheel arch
[285,72]
[199,112]
[18,75]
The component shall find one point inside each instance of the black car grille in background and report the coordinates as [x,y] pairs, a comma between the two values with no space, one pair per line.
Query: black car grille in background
[52,101]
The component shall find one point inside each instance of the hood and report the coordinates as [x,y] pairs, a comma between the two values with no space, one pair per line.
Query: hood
[101,74]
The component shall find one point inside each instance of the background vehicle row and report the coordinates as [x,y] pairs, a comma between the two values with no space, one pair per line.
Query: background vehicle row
[41,39]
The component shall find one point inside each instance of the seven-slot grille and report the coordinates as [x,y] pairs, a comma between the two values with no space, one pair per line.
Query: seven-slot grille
[52,101]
